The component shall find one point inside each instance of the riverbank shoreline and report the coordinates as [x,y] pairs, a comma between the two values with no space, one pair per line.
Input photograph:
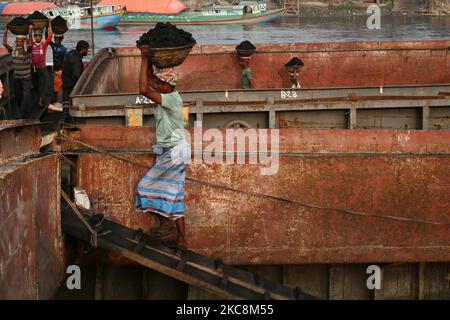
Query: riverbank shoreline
[316,10]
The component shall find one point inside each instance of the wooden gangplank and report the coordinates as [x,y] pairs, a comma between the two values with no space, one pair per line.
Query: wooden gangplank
[209,274]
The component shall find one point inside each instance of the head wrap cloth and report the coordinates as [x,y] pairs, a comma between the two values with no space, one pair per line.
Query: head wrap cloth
[168,75]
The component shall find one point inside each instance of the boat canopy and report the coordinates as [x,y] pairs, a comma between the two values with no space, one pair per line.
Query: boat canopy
[23,8]
[149,6]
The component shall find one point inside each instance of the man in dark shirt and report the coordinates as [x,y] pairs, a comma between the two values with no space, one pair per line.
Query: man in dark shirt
[59,52]
[73,67]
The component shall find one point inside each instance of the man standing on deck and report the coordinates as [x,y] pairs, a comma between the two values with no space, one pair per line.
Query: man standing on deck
[38,59]
[21,61]
[246,76]
[161,190]
[59,53]
[73,67]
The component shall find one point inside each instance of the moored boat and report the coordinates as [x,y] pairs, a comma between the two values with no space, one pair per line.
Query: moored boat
[79,17]
[244,12]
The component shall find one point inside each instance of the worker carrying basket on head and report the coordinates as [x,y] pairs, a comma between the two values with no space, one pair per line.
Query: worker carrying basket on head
[161,190]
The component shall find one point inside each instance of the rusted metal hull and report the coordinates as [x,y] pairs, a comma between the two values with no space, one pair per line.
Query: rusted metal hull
[402,174]
[352,85]
[334,64]
[31,254]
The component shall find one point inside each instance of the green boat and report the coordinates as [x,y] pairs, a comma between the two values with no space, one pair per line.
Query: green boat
[245,12]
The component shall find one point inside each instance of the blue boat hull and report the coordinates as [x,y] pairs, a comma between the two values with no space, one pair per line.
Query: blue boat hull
[109,21]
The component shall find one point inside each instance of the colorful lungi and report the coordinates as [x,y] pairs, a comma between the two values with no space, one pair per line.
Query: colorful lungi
[161,190]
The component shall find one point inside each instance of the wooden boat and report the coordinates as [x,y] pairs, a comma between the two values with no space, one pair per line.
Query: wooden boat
[79,17]
[246,12]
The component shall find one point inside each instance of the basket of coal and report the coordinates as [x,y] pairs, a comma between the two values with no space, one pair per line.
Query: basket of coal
[294,64]
[39,20]
[19,26]
[245,49]
[59,25]
[168,45]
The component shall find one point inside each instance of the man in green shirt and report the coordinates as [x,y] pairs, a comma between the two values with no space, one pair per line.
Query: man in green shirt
[161,190]
[246,76]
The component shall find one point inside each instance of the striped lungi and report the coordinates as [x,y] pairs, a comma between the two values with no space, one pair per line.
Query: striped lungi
[161,190]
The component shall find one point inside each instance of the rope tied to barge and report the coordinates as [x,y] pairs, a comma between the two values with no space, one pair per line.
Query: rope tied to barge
[249,193]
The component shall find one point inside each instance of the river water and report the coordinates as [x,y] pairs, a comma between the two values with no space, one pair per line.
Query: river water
[285,29]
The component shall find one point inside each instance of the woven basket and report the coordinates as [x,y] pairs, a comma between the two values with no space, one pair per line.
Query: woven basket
[18,30]
[170,57]
[245,53]
[40,24]
[59,29]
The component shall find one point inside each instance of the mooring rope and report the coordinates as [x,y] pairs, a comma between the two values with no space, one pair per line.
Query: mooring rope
[251,193]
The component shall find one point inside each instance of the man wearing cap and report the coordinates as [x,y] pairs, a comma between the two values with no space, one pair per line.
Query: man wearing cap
[161,190]
[38,55]
[21,62]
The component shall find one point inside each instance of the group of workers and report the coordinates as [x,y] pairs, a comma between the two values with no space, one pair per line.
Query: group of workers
[161,190]
[29,61]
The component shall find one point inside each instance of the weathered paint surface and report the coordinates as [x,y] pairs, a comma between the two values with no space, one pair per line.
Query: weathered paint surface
[31,260]
[31,256]
[341,64]
[398,173]
[17,139]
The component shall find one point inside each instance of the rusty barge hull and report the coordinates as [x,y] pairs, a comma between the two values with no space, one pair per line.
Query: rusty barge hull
[31,247]
[402,174]
[364,85]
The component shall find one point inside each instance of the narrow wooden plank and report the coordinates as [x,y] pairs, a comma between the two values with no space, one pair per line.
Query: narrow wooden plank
[313,279]
[99,283]
[348,282]
[87,292]
[352,124]
[158,286]
[436,281]
[399,282]
[426,116]
[122,282]
[196,293]
[274,273]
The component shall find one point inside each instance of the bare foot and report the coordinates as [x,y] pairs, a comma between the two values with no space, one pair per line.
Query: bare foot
[181,242]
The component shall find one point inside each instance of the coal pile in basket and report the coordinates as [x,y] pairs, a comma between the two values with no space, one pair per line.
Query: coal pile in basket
[245,49]
[37,16]
[19,22]
[19,26]
[59,21]
[294,62]
[246,45]
[59,25]
[166,35]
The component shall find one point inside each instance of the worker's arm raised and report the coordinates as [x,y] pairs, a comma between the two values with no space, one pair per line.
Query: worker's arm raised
[144,82]
[49,35]
[29,42]
[5,40]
